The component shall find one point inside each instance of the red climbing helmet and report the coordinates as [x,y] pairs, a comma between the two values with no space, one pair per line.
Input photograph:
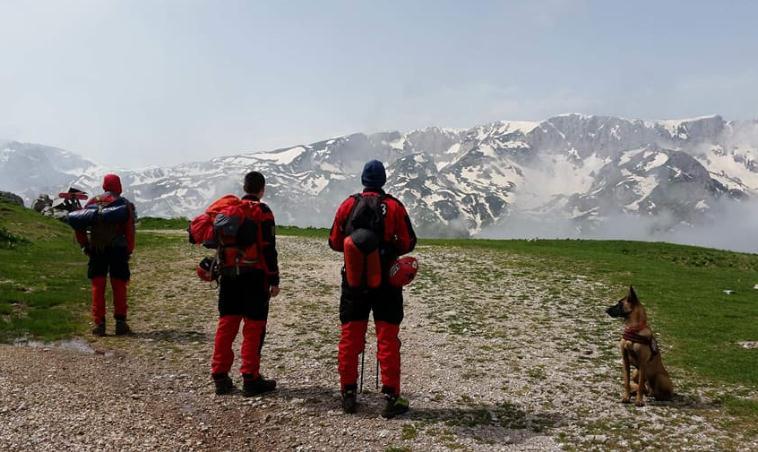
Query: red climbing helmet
[207,269]
[403,271]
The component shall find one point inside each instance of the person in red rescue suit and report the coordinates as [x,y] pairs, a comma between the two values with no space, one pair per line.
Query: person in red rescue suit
[109,248]
[244,298]
[386,301]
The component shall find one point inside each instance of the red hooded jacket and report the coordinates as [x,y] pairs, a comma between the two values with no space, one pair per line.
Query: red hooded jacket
[112,187]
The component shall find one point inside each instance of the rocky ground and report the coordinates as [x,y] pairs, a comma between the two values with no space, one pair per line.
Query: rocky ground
[500,352]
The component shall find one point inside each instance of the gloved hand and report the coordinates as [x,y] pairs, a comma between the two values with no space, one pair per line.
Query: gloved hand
[86,251]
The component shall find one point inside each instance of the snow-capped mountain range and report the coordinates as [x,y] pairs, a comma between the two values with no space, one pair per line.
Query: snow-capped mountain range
[579,168]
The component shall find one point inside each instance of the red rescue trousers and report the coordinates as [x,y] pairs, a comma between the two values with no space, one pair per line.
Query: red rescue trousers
[120,306]
[253,333]
[352,342]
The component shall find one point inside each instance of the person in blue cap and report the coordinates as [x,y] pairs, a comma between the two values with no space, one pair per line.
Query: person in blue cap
[378,224]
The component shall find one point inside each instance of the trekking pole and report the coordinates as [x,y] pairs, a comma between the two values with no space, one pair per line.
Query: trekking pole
[363,355]
[377,372]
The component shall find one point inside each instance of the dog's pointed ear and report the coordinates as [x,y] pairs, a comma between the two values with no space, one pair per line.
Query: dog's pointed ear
[633,295]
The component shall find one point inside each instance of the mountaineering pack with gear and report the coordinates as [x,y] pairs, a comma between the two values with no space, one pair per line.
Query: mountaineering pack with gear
[105,230]
[242,231]
[373,229]
[364,228]
[234,227]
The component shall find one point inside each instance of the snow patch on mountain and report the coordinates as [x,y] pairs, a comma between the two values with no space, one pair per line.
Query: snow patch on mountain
[281,157]
[580,169]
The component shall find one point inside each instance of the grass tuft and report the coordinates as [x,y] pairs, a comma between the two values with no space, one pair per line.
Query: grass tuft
[10,240]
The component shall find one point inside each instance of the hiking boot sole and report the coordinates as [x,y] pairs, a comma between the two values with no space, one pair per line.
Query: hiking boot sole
[390,415]
[224,391]
[349,407]
[255,392]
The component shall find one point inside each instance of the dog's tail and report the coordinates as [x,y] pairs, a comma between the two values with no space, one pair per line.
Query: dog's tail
[664,389]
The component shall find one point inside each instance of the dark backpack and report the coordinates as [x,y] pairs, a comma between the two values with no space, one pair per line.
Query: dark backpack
[364,234]
[369,213]
[107,229]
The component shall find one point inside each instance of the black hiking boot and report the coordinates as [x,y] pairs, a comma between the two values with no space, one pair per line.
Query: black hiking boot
[255,386]
[122,328]
[349,399]
[395,406]
[99,329]
[224,384]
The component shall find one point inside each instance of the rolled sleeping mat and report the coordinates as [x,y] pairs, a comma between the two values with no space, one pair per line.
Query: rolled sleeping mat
[115,214]
[82,218]
[362,261]
[201,231]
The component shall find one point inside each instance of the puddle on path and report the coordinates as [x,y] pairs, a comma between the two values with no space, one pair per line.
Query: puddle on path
[76,345]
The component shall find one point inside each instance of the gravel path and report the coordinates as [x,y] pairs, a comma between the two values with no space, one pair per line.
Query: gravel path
[499,353]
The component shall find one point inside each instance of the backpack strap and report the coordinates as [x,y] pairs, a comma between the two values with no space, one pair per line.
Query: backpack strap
[357,197]
[256,204]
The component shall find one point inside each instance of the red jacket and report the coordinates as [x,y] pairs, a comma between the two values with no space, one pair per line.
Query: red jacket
[398,231]
[127,228]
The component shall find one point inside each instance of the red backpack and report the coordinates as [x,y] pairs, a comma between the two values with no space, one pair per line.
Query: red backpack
[364,231]
[230,226]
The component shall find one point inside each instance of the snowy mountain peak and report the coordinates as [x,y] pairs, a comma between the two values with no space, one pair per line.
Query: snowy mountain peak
[581,168]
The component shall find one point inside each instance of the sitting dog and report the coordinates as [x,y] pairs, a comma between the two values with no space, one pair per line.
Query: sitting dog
[639,349]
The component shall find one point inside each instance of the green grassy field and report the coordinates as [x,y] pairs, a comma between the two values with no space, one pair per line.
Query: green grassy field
[180,223]
[43,285]
[153,223]
[314,233]
[43,291]
[681,286]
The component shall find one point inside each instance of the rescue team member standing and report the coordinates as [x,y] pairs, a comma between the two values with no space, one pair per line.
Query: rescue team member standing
[396,237]
[245,291]
[109,246]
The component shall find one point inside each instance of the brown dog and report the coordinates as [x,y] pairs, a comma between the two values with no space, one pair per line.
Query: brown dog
[639,349]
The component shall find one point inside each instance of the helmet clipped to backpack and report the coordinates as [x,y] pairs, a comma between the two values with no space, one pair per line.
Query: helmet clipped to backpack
[403,271]
[207,269]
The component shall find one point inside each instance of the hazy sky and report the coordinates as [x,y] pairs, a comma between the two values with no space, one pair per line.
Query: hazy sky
[136,83]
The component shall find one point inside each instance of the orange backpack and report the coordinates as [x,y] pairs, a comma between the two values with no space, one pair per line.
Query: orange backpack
[229,225]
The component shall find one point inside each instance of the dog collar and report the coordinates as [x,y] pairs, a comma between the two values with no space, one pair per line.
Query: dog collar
[635,329]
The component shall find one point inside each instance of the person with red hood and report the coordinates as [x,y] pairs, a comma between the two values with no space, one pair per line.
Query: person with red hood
[376,220]
[109,246]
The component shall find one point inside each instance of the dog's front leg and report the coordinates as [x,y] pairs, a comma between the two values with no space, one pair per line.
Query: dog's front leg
[627,387]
